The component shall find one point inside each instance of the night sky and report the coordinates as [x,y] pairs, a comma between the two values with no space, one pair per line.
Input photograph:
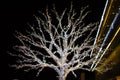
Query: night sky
[15,14]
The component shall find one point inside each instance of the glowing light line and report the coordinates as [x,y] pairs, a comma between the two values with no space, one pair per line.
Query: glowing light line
[98,31]
[111,27]
[106,48]
[99,26]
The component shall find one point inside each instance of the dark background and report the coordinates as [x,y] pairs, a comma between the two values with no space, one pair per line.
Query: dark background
[15,14]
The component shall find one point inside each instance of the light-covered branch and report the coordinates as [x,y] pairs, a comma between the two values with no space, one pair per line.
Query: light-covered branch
[59,41]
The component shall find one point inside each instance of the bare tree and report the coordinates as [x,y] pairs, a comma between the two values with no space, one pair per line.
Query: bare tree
[59,41]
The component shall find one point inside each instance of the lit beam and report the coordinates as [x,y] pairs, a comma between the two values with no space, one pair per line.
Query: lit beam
[98,31]
[106,48]
[113,58]
[102,23]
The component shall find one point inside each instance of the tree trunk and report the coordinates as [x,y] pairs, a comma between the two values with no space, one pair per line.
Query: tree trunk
[62,78]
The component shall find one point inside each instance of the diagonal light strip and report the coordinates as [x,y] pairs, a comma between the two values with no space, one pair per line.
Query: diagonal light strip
[111,27]
[106,48]
[98,31]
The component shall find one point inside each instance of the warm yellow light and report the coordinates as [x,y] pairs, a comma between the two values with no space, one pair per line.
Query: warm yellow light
[113,58]
[105,19]
[107,48]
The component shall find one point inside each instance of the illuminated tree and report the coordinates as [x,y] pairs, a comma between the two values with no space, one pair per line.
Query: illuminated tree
[62,42]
